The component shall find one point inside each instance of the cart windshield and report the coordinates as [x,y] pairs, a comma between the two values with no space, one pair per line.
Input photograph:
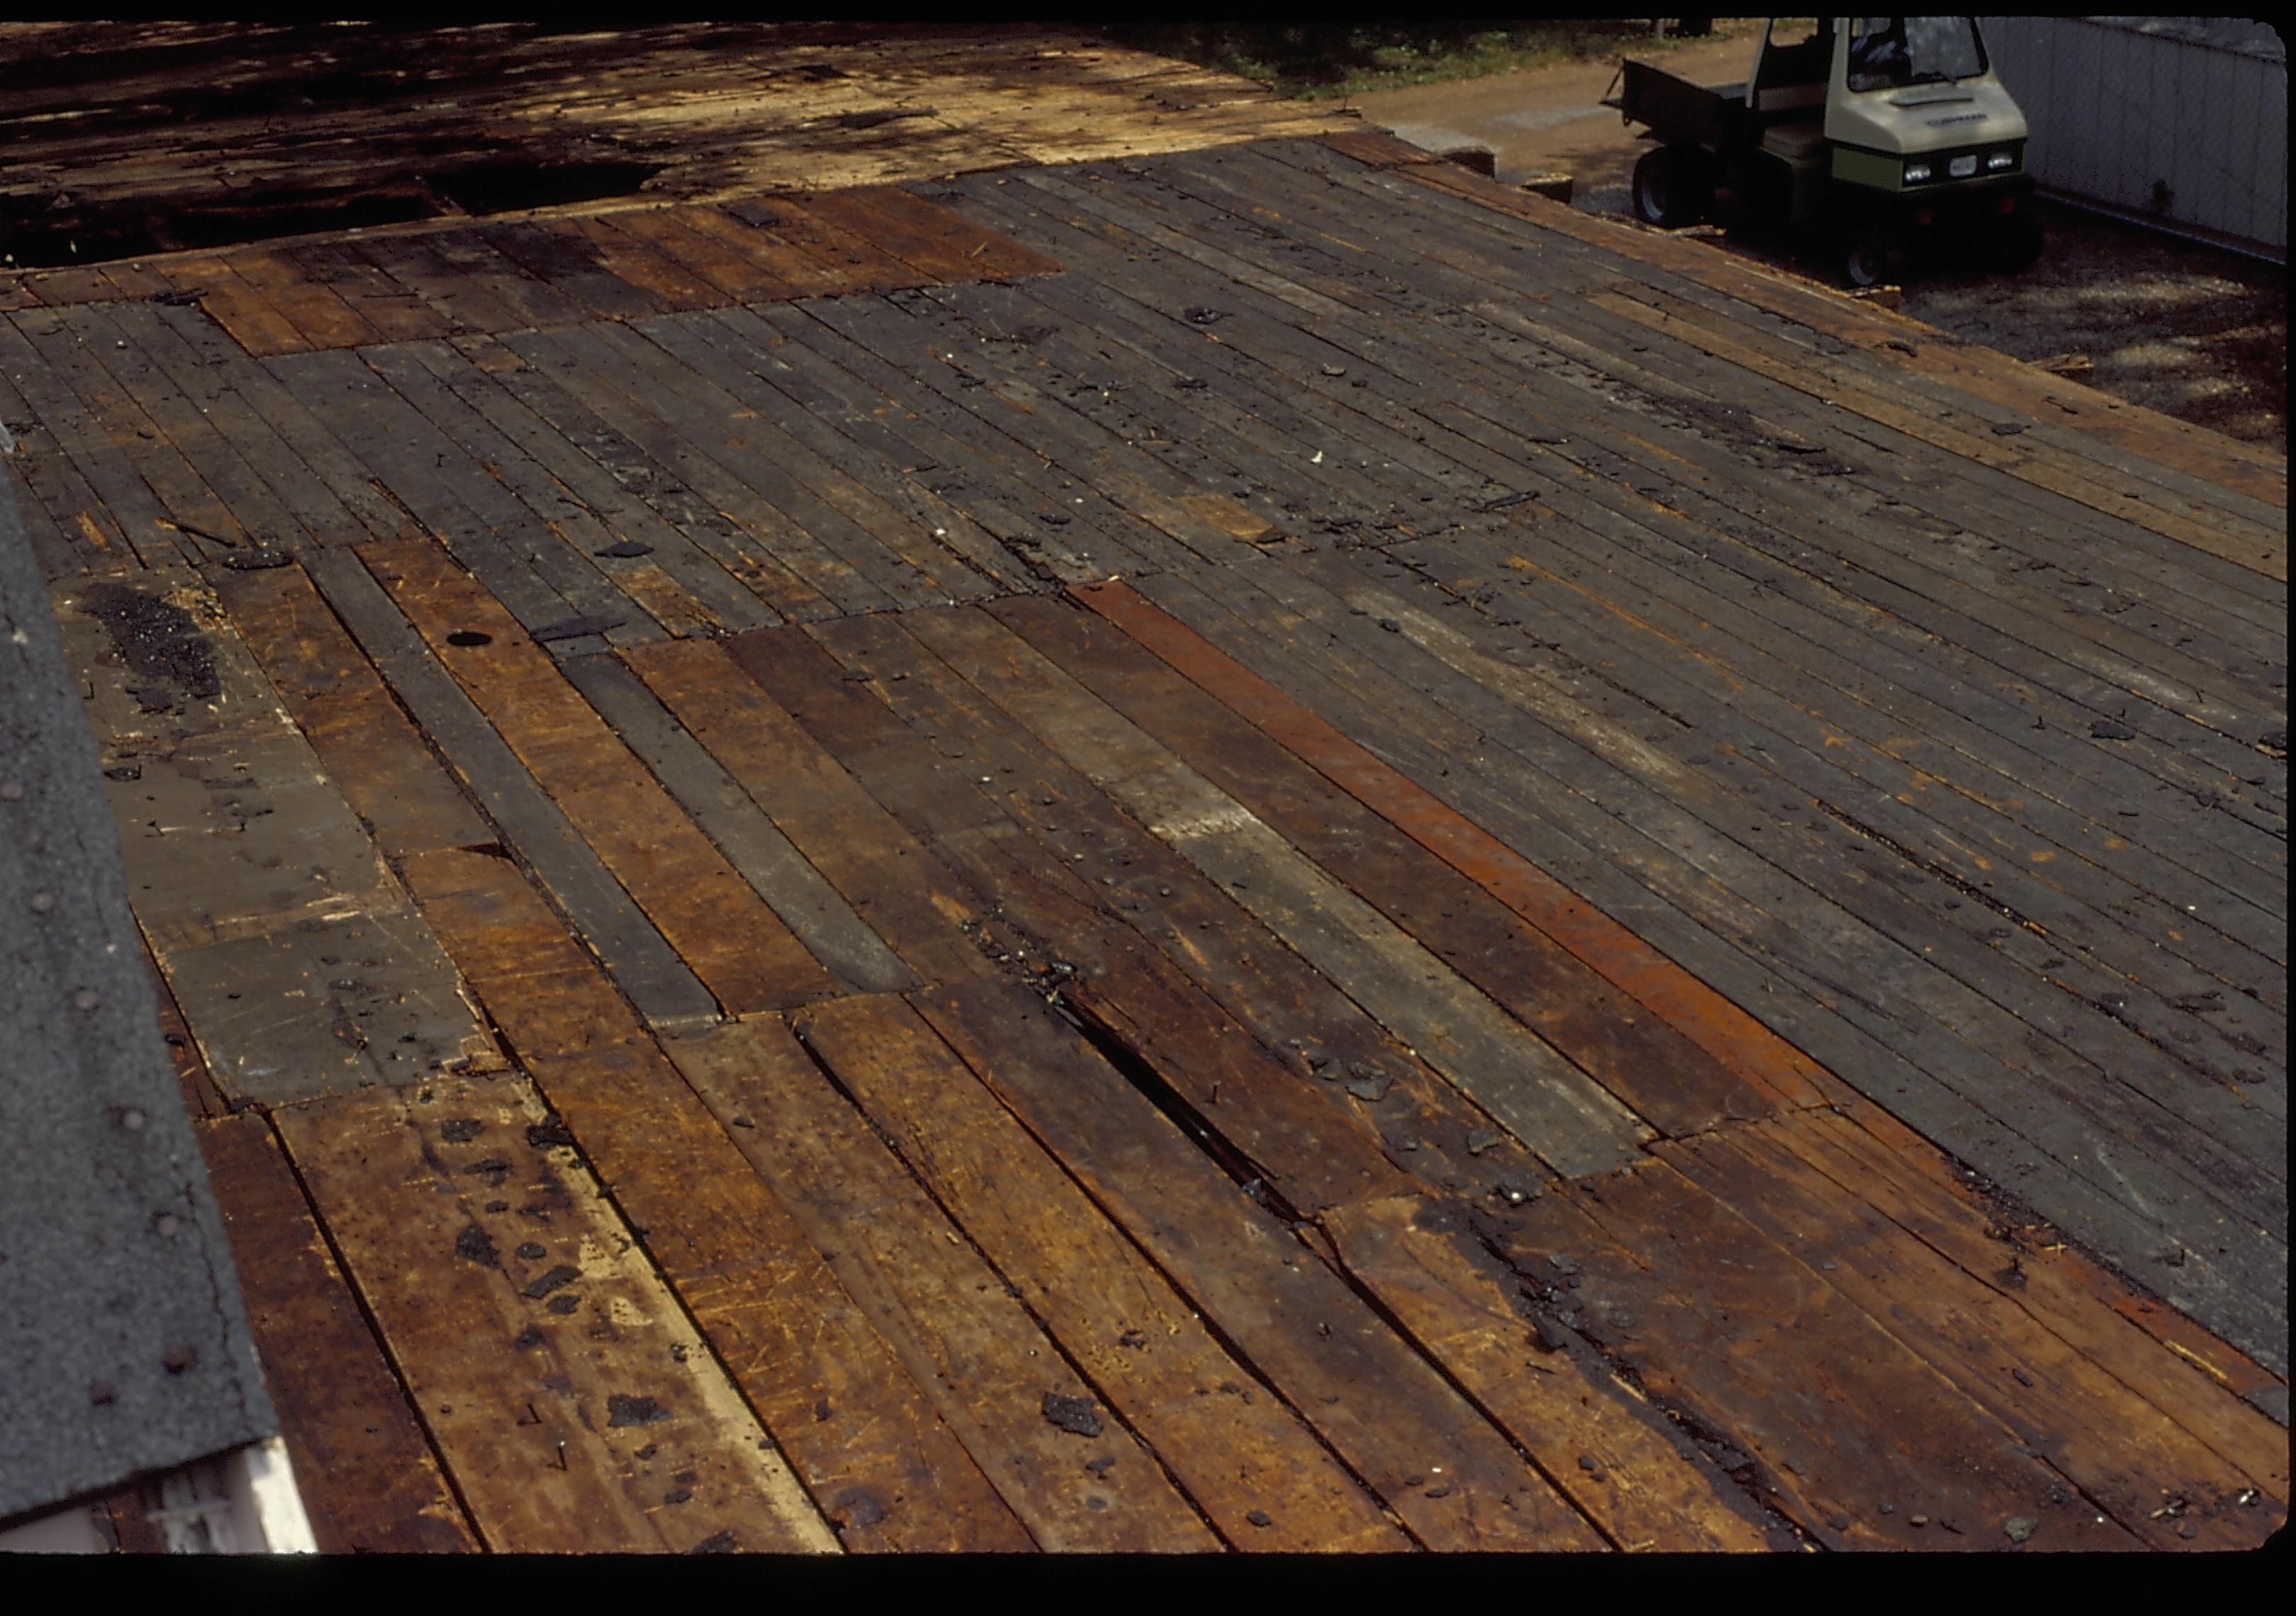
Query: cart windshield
[1890,53]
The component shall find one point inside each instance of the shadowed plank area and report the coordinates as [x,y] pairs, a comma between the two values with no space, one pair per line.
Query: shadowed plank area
[1257,849]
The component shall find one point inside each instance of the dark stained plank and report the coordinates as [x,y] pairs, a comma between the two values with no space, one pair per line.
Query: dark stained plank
[944,1309]
[1552,1107]
[1349,1080]
[908,897]
[639,488]
[377,759]
[2121,1451]
[1727,1033]
[1620,1460]
[1251,1464]
[805,903]
[395,313]
[1660,1074]
[641,963]
[1339,1131]
[885,1465]
[744,955]
[532,1334]
[363,1463]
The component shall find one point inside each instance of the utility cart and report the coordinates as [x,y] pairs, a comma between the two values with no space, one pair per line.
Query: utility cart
[1864,140]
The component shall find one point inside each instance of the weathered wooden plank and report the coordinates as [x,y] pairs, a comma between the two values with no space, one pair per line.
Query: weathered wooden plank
[942,244]
[2200,1385]
[306,302]
[2121,1451]
[1863,1443]
[944,1309]
[363,1464]
[776,871]
[857,574]
[2001,1124]
[739,950]
[742,232]
[908,897]
[859,266]
[1384,1409]
[293,951]
[533,1336]
[561,256]
[1662,1076]
[628,256]
[877,491]
[377,759]
[835,506]
[233,303]
[647,487]
[676,233]
[1602,1443]
[1551,1106]
[2137,429]
[865,1437]
[424,470]
[1250,1463]
[645,966]
[556,510]
[1742,1045]
[1326,1107]
[395,313]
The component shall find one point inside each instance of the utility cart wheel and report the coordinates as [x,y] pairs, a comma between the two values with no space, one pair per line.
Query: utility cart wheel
[1872,259]
[1671,188]
[2017,244]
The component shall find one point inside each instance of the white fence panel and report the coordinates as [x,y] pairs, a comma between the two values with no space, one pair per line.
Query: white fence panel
[2181,121]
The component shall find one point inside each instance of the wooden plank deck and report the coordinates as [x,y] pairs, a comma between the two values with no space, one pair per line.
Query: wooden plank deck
[1260,848]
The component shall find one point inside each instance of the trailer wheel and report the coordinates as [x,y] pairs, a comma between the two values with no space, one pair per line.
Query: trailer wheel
[1671,187]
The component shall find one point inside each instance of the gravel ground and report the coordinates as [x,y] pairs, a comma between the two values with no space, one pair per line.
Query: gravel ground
[2185,329]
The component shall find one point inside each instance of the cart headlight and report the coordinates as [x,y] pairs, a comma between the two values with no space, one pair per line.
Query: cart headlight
[1962,167]
[1999,160]
[1915,173]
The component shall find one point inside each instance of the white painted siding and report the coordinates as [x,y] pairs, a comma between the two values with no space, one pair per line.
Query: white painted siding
[2185,119]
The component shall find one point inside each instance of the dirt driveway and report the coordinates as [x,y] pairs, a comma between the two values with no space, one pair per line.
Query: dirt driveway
[2184,329]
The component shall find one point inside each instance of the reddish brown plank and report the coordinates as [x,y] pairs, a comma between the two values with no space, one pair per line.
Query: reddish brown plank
[364,1469]
[675,233]
[309,303]
[229,300]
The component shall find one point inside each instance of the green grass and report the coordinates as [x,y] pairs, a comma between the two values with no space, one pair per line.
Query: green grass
[1338,60]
